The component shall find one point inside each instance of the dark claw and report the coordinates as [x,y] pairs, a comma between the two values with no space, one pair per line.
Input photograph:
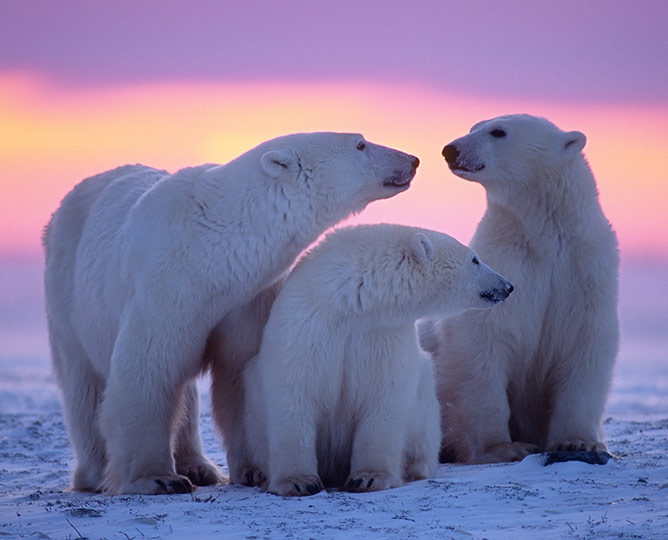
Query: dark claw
[296,487]
[355,483]
[447,455]
[369,483]
[181,486]
[206,478]
[162,485]
[313,488]
[591,457]
[249,478]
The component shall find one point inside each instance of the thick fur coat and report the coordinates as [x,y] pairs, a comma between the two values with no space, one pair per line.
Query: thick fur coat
[341,393]
[151,277]
[534,373]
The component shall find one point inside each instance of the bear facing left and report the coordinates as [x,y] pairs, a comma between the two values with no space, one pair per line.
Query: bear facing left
[148,275]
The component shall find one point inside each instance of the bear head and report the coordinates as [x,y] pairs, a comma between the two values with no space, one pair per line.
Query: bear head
[456,278]
[397,273]
[337,170]
[511,152]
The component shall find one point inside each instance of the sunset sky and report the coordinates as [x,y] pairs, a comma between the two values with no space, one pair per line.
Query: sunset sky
[86,86]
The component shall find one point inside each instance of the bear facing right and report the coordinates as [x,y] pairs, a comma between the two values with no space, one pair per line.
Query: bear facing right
[340,393]
[533,374]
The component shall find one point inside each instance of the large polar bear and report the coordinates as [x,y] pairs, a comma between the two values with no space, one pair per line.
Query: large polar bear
[150,275]
[534,373]
[341,393]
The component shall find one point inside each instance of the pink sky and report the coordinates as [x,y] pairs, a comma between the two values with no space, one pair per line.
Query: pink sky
[88,86]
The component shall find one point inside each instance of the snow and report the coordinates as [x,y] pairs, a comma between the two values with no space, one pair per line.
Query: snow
[626,498]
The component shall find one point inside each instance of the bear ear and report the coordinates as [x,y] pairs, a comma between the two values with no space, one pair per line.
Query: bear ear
[573,142]
[422,247]
[282,164]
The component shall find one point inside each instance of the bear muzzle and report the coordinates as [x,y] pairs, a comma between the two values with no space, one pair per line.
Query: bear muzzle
[450,153]
[456,164]
[402,178]
[497,295]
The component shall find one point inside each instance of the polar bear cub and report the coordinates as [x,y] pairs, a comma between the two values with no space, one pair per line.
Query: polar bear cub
[152,277]
[340,385]
[534,373]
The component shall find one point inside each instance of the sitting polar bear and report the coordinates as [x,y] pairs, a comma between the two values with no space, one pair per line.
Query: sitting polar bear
[151,277]
[341,393]
[534,373]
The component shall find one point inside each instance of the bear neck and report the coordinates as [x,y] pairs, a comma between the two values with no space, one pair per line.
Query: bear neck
[256,228]
[381,296]
[558,201]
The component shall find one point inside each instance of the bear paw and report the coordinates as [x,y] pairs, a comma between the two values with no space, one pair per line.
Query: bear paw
[579,445]
[201,473]
[507,451]
[370,481]
[252,476]
[157,485]
[417,470]
[297,486]
[87,480]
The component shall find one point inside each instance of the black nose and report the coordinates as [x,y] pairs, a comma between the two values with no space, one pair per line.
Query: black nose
[416,162]
[450,153]
[510,288]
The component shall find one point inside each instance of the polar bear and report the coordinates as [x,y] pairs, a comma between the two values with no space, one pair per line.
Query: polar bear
[341,393]
[533,374]
[147,274]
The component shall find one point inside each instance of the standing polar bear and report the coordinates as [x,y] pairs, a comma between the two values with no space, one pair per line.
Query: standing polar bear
[534,373]
[150,277]
[341,393]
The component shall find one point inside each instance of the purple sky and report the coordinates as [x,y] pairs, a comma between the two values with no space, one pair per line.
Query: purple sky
[568,51]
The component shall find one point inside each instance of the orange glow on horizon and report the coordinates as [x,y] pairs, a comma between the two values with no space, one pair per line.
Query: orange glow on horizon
[53,137]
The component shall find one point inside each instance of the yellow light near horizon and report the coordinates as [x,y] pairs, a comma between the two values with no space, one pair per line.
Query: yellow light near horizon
[53,136]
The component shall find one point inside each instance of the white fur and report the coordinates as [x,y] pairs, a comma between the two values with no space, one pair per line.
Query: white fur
[150,277]
[534,373]
[341,393]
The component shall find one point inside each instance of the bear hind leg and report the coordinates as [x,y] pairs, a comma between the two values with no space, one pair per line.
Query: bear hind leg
[82,391]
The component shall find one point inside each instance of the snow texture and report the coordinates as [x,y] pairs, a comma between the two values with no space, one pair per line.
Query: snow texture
[624,499]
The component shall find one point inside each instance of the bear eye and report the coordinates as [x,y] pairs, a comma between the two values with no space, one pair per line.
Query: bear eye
[475,260]
[361,145]
[498,133]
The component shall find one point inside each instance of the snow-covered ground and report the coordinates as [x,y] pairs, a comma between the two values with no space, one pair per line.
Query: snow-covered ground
[626,498]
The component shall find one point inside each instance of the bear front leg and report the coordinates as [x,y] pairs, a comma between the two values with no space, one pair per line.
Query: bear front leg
[139,414]
[189,454]
[424,436]
[137,429]
[292,458]
[377,459]
[579,401]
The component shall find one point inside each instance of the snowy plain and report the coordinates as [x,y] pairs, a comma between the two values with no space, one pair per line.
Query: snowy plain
[626,498]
